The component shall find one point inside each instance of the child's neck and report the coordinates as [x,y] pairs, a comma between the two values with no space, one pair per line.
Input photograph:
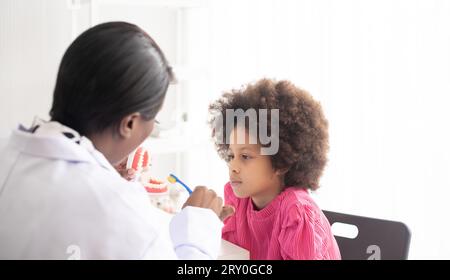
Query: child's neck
[261,200]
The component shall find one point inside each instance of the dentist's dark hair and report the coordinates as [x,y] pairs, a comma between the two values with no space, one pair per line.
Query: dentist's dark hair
[111,70]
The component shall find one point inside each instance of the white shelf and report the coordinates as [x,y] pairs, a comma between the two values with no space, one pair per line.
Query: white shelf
[173,141]
[166,145]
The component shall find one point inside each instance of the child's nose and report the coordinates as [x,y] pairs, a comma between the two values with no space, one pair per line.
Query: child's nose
[233,167]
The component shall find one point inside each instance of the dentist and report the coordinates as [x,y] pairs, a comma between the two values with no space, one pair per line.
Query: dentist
[61,197]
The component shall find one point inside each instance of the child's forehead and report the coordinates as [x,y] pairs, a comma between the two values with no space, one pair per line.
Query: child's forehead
[240,137]
[244,148]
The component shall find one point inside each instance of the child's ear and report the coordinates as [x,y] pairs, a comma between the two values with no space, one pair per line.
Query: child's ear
[127,124]
[282,172]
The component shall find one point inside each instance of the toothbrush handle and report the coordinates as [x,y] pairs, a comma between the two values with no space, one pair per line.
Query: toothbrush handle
[186,187]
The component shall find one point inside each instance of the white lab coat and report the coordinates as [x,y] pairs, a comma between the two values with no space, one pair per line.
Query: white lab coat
[63,200]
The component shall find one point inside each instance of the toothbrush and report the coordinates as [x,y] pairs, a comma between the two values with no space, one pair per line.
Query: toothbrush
[172,179]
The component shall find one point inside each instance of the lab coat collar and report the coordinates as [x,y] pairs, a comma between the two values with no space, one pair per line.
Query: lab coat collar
[50,140]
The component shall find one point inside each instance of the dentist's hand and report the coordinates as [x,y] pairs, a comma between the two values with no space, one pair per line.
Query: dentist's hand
[206,198]
[128,174]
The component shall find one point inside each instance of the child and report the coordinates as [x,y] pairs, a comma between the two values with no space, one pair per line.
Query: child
[275,216]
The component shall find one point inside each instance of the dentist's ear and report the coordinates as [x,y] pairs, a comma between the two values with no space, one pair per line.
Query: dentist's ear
[127,124]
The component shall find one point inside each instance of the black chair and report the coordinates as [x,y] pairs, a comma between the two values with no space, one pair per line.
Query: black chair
[376,239]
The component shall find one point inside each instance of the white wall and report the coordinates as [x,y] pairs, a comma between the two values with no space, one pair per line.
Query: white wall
[33,38]
[381,71]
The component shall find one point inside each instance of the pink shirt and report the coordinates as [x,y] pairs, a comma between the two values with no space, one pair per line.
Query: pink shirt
[290,227]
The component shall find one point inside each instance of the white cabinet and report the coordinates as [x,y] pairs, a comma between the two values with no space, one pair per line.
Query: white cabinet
[35,34]
[175,26]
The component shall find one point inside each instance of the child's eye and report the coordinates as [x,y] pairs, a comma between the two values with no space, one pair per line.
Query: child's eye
[229,157]
[245,157]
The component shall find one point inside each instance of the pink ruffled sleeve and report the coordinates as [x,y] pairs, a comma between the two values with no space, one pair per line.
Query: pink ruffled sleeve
[305,235]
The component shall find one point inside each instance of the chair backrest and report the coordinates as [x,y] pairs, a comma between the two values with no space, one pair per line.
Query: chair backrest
[376,239]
